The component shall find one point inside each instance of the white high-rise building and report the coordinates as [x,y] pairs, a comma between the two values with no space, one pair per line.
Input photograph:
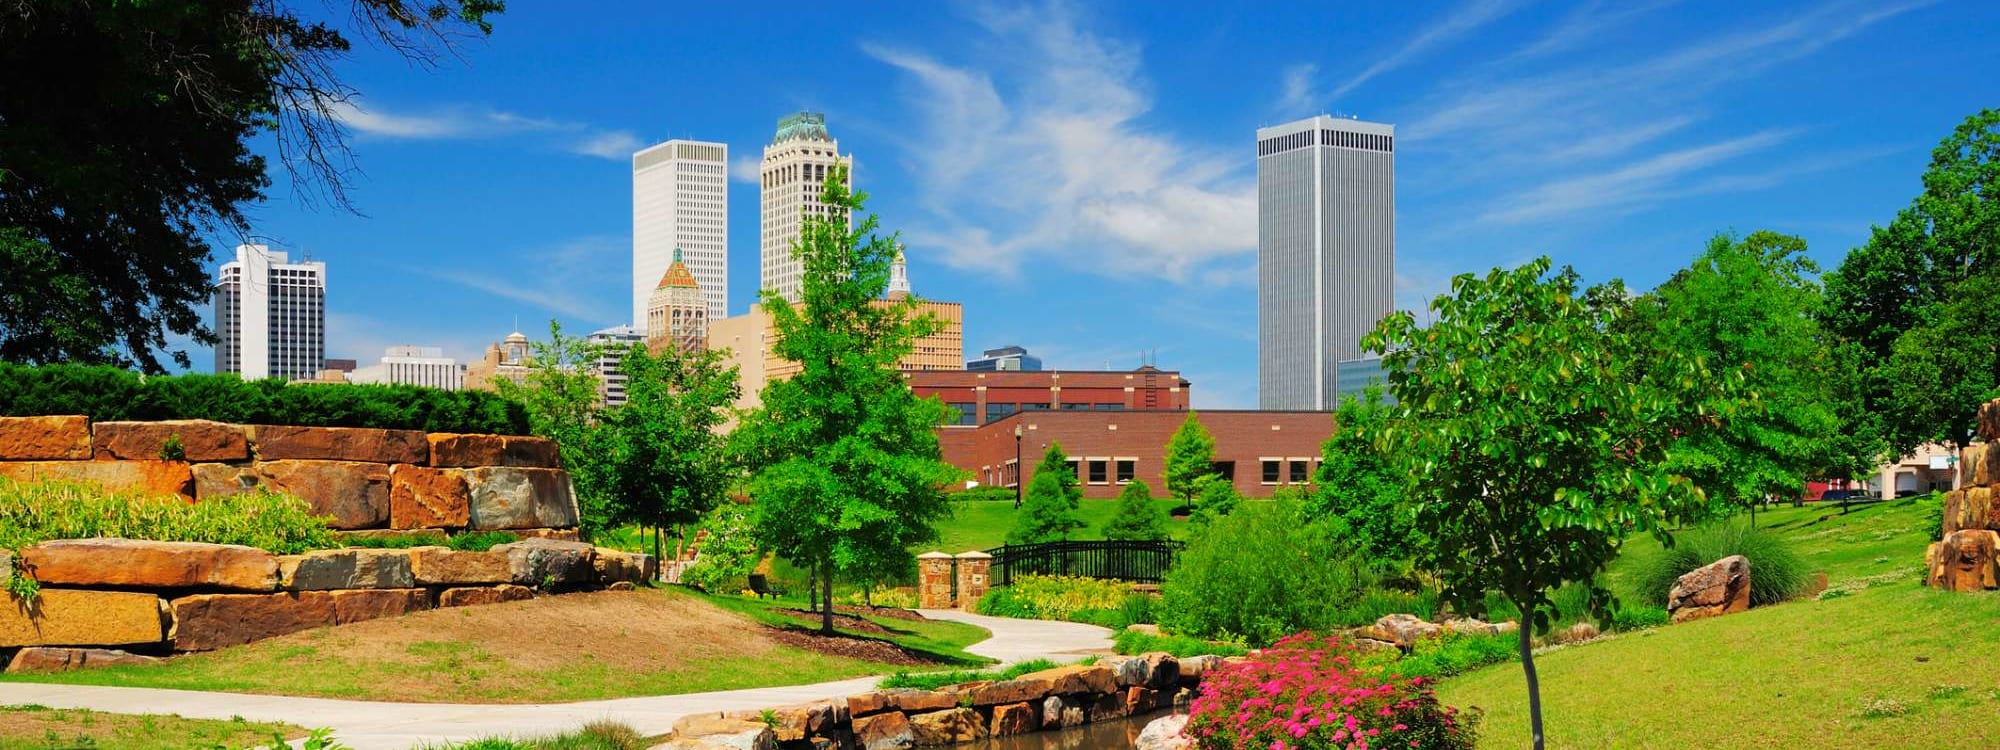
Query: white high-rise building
[680,200]
[611,378]
[270,315]
[1326,253]
[413,365]
[795,168]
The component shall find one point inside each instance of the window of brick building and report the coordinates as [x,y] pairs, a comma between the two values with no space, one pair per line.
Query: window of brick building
[996,411]
[1225,469]
[1271,470]
[1099,471]
[1128,468]
[1301,471]
[1076,468]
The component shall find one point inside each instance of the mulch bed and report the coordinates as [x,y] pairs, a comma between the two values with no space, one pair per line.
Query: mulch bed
[842,621]
[867,649]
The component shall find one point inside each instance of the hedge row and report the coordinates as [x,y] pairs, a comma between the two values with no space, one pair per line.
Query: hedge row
[113,394]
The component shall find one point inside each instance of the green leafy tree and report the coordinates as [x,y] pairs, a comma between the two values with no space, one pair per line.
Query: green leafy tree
[843,458]
[1136,517]
[1535,443]
[1190,456]
[1914,285]
[116,174]
[1747,305]
[1357,492]
[560,393]
[670,462]
[1049,512]
[729,551]
[1215,497]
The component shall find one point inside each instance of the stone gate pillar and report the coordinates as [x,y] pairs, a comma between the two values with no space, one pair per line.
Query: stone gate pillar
[973,579]
[934,581]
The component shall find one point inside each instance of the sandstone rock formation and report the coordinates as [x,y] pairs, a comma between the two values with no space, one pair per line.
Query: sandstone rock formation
[1719,588]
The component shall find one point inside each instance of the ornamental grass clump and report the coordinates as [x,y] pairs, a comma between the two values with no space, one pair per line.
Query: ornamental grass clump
[1305,693]
[33,512]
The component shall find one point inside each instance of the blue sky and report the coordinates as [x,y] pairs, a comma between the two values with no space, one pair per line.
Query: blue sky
[1082,177]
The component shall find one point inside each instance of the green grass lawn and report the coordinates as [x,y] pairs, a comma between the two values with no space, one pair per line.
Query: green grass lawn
[1881,663]
[981,525]
[557,649]
[32,727]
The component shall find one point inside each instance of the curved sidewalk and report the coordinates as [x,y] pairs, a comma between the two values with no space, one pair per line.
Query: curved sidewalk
[365,725]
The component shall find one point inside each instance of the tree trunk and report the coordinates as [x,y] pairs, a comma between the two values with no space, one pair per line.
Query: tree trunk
[826,595]
[657,543]
[812,586]
[1528,668]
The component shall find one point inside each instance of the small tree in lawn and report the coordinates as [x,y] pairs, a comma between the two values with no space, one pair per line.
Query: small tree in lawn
[1136,517]
[672,465]
[1535,444]
[845,465]
[1190,456]
[560,393]
[1358,490]
[1215,497]
[1048,514]
[1055,463]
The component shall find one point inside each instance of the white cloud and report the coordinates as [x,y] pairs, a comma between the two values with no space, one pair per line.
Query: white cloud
[1298,98]
[1633,183]
[1461,21]
[1041,154]
[398,126]
[746,168]
[573,279]
[1588,23]
[617,145]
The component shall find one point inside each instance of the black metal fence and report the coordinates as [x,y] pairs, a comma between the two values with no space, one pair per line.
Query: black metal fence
[1137,561]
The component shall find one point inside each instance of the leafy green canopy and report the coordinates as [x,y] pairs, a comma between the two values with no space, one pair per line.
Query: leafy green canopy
[1536,435]
[1190,456]
[560,393]
[126,127]
[1747,305]
[1916,301]
[1045,515]
[1136,517]
[1358,491]
[672,463]
[106,394]
[845,466]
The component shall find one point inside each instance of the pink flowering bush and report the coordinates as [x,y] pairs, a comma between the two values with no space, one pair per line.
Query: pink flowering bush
[1306,693]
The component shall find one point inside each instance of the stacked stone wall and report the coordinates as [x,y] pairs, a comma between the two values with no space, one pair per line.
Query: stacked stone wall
[1114,688]
[1967,557]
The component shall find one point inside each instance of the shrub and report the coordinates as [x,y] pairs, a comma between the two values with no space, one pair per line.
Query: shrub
[984,493]
[40,511]
[935,680]
[1291,578]
[728,553]
[110,394]
[1136,516]
[1039,597]
[1638,617]
[1776,573]
[1047,515]
[1130,642]
[1454,654]
[1304,693]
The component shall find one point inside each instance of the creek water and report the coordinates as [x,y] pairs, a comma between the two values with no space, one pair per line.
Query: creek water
[1117,734]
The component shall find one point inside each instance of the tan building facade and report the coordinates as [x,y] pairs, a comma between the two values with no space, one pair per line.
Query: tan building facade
[794,171]
[677,311]
[750,339]
[507,358]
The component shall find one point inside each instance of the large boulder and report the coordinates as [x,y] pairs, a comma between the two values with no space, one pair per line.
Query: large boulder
[1074,679]
[884,731]
[470,451]
[1719,588]
[200,440]
[56,659]
[947,727]
[1014,718]
[356,605]
[68,617]
[535,562]
[467,596]
[355,494]
[1017,690]
[44,438]
[1989,421]
[1965,561]
[204,622]
[357,568]
[508,497]
[792,723]
[145,477]
[1405,630]
[709,732]
[425,498]
[911,701]
[443,566]
[1165,733]
[612,566]
[341,444]
[1194,668]
[133,563]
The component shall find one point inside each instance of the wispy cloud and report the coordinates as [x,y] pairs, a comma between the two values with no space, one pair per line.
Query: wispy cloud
[746,168]
[474,123]
[1064,169]
[570,279]
[1588,23]
[1296,97]
[1627,185]
[1459,22]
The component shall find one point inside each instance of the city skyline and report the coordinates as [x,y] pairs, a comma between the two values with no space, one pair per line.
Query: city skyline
[1096,172]
[680,210]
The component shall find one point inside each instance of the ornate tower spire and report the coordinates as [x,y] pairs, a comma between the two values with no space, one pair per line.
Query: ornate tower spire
[899,276]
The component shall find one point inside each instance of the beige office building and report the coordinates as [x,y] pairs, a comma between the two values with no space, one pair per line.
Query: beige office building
[795,167]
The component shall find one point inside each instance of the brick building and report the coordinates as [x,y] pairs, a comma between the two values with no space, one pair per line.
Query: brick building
[1259,450]
[983,397]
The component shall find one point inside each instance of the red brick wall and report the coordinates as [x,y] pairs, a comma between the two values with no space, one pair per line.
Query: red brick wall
[1137,389]
[1245,437]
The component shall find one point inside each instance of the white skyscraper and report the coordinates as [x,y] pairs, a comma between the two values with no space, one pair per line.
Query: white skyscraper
[680,200]
[795,168]
[1326,252]
[270,315]
[413,365]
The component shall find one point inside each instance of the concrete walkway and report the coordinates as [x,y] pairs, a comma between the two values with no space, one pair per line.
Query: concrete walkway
[365,725]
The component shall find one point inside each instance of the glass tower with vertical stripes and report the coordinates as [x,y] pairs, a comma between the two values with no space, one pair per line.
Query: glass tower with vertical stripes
[1326,250]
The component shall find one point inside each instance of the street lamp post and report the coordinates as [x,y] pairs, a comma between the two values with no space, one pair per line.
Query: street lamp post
[1017,465]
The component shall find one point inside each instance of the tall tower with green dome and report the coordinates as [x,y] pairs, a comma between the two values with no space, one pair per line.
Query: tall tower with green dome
[796,165]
